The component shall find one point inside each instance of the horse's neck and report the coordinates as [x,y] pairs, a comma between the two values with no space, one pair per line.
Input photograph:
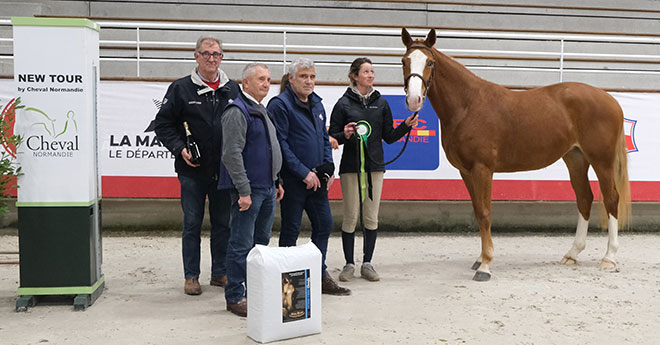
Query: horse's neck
[453,88]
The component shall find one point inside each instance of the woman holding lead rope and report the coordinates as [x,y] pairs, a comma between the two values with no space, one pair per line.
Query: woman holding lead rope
[360,121]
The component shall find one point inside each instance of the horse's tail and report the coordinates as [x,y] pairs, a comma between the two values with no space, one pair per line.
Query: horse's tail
[622,185]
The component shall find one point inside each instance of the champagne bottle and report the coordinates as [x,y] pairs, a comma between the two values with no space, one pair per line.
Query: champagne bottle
[193,149]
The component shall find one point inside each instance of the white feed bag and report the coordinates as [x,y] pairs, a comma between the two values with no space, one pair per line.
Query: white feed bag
[283,292]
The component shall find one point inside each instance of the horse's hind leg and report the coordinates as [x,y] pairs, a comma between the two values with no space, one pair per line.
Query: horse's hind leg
[610,197]
[578,168]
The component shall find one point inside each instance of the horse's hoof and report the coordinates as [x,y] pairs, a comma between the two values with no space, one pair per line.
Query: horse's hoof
[606,264]
[568,261]
[481,276]
[475,265]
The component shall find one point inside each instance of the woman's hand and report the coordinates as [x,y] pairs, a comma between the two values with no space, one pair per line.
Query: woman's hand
[412,120]
[331,180]
[349,129]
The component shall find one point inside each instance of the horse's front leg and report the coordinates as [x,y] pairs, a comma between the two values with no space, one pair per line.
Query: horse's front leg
[479,183]
[467,179]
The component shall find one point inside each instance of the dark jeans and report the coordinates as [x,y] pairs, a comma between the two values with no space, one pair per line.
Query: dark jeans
[193,196]
[296,199]
[249,227]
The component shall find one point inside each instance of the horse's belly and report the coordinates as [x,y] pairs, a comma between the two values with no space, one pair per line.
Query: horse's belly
[522,166]
[531,157]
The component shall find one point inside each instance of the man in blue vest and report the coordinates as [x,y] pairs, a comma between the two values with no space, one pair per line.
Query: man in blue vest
[307,170]
[251,162]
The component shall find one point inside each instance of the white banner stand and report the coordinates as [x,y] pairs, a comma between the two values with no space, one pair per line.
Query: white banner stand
[56,62]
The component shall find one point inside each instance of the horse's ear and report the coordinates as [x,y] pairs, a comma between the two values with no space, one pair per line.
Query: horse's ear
[405,37]
[430,39]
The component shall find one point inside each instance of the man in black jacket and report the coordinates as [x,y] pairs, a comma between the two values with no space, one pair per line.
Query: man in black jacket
[199,100]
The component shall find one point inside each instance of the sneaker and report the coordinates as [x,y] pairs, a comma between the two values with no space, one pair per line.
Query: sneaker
[239,308]
[192,287]
[330,287]
[219,281]
[347,273]
[369,273]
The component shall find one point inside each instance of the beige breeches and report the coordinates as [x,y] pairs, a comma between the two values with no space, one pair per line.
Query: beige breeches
[350,193]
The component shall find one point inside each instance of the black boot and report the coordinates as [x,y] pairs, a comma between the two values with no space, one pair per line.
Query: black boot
[348,244]
[369,244]
[367,270]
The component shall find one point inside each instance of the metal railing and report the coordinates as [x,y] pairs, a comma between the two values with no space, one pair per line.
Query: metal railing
[561,56]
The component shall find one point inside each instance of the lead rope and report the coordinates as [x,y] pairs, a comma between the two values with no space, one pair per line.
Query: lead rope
[400,152]
[403,148]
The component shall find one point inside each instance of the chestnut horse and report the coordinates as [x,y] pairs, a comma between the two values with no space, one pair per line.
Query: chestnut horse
[487,128]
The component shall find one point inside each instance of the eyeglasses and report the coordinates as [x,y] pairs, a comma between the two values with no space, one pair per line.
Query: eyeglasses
[214,55]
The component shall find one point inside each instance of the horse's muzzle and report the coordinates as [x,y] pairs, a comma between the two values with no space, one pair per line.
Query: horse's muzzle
[414,103]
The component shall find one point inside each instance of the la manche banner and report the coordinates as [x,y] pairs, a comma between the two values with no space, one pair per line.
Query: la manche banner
[134,164]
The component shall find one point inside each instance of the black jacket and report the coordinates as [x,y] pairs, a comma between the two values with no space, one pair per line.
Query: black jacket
[376,111]
[190,99]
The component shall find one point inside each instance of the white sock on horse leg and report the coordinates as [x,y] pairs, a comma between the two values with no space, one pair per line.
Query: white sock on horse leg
[612,239]
[580,241]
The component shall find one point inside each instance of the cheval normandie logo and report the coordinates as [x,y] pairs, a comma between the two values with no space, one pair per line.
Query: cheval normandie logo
[53,144]
[54,139]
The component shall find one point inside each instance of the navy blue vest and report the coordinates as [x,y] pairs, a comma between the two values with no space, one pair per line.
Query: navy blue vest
[257,156]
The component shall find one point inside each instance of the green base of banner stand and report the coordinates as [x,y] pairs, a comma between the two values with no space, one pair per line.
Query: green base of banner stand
[60,254]
[25,302]
[85,296]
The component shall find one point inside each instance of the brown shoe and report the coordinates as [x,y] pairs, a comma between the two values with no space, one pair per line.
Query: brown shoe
[239,308]
[219,281]
[330,287]
[192,287]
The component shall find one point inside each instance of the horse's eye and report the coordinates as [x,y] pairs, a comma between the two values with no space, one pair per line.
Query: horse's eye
[430,63]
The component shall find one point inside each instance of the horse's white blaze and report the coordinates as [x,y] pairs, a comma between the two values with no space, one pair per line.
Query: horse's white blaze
[580,241]
[612,239]
[415,96]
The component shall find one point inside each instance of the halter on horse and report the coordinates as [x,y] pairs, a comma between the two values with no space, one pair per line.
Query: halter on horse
[486,128]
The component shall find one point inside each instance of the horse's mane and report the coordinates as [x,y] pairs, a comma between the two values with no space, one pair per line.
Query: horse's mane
[456,65]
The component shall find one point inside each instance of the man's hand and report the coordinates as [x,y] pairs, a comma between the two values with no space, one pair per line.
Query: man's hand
[312,181]
[244,203]
[187,157]
[334,143]
[279,193]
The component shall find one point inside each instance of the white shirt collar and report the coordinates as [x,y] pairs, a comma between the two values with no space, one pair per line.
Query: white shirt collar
[248,96]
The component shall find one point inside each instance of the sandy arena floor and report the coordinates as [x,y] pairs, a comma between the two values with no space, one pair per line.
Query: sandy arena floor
[426,296]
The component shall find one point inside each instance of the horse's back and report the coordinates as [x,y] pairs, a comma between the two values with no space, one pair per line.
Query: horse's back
[583,100]
[534,128]
[585,107]
[591,108]
[596,117]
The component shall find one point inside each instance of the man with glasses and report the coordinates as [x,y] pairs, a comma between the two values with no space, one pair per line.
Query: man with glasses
[198,100]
